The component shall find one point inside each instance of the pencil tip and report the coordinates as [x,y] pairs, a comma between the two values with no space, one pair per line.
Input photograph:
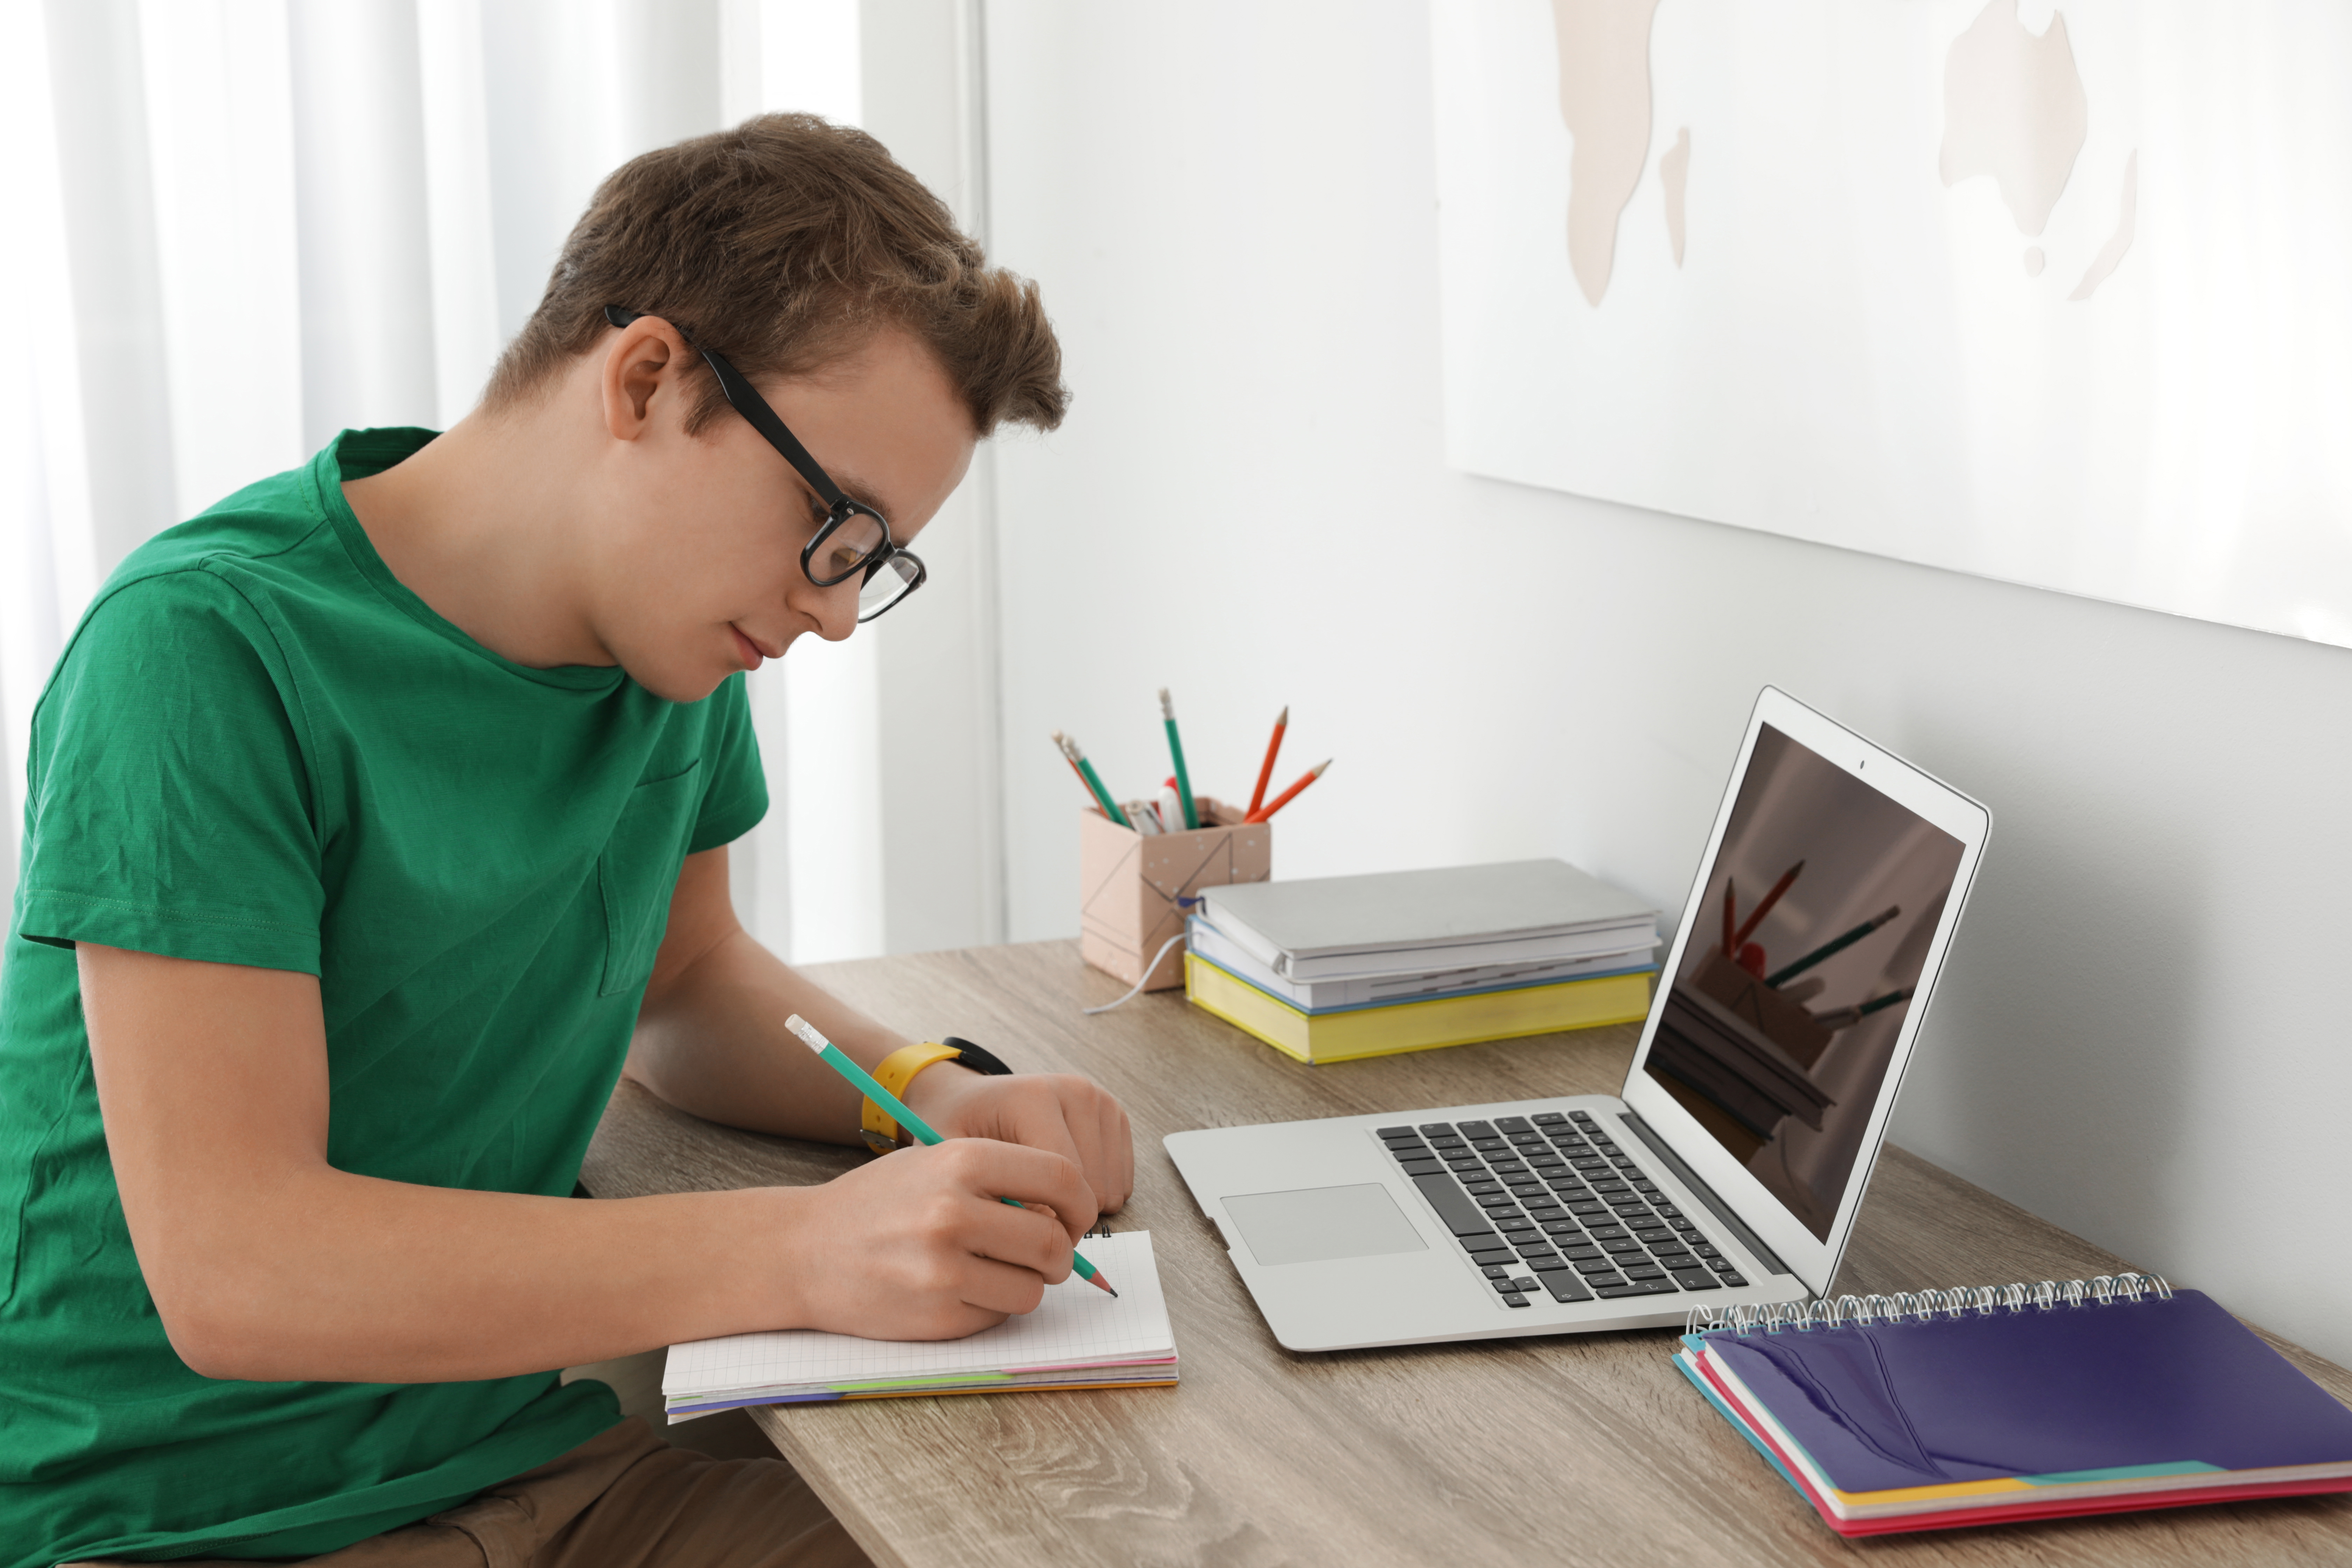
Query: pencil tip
[1282,719]
[1324,764]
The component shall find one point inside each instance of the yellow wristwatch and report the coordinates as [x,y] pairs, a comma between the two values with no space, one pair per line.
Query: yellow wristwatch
[898,1070]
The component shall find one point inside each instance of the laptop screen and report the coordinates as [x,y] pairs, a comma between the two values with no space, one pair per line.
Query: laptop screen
[1816,921]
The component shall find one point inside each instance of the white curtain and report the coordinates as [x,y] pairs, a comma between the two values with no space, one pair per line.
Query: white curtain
[238,226]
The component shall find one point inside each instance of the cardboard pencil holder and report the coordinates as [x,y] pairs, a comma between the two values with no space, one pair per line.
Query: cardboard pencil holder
[1135,889]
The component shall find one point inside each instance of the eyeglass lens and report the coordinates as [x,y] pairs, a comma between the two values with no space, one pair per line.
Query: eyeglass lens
[891,582]
[846,549]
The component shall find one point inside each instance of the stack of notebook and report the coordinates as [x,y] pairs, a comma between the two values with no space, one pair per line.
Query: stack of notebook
[1337,967]
[1077,1338]
[1981,1407]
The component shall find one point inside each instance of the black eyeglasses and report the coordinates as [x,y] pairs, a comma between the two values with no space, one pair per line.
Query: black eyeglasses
[854,538]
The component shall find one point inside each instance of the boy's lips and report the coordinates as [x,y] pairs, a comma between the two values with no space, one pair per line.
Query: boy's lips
[753,655]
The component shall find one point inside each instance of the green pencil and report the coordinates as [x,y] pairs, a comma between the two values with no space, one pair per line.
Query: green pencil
[1176,750]
[833,1057]
[1092,779]
[1847,1017]
[1831,949]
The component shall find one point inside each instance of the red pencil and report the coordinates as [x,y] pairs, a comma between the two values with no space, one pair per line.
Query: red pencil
[1064,750]
[1278,802]
[1266,769]
[1747,927]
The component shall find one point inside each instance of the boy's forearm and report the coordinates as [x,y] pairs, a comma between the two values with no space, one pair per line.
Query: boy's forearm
[330,1276]
[713,1042]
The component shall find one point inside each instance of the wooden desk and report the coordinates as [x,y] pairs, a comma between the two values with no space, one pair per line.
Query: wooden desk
[1575,1449]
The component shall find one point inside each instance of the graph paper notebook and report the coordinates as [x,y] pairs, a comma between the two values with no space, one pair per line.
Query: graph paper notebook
[1982,1406]
[1077,1338]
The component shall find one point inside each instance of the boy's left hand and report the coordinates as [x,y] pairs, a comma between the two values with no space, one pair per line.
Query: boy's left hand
[1063,1112]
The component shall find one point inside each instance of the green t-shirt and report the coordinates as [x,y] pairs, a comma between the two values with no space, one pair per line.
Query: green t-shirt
[260,749]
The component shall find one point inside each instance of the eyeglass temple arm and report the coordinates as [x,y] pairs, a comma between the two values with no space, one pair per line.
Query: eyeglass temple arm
[754,408]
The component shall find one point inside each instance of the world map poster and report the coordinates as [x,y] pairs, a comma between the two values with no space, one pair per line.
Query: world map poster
[2059,295]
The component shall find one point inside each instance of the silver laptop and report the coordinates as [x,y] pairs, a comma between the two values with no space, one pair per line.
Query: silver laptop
[1726,1170]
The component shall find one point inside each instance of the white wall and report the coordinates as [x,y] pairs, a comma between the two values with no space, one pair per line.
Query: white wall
[941,815]
[1232,210]
[882,751]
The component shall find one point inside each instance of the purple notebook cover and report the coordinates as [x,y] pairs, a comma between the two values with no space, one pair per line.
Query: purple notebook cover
[2043,1393]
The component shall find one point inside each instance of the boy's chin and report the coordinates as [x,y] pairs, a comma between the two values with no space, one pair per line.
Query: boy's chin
[676,684]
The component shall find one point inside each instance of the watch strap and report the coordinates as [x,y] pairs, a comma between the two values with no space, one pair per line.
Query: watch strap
[976,1059]
[896,1070]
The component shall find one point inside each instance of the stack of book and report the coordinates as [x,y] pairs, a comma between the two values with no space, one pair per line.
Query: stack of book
[1338,967]
[1986,1406]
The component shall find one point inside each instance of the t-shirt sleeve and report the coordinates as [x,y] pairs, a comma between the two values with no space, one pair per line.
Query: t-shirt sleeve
[737,797]
[169,808]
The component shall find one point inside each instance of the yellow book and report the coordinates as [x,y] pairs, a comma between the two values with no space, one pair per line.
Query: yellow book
[1416,1025]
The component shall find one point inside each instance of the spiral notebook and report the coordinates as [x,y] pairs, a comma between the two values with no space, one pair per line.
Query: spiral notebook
[1983,1405]
[1077,1338]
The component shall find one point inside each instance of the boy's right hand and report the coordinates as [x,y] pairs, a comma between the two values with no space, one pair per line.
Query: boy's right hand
[917,1246]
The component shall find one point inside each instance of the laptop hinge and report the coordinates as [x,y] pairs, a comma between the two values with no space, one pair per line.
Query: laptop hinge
[1715,1205]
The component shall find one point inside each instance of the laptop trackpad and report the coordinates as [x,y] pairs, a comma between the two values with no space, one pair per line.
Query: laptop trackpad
[1316,1225]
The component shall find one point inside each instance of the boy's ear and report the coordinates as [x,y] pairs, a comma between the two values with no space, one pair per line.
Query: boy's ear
[644,361]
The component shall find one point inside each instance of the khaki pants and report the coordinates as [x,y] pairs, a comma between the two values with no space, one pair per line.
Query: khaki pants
[624,1498]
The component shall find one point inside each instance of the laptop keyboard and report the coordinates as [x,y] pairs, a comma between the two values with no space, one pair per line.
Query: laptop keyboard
[1551,1204]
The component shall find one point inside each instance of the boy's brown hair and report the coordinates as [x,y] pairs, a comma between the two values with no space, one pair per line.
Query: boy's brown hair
[785,244]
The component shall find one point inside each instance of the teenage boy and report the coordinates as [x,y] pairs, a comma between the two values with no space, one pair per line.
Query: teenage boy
[375,816]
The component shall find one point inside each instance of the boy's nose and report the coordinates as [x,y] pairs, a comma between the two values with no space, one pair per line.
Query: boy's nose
[837,610]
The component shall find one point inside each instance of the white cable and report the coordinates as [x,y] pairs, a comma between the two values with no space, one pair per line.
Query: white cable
[1138,987]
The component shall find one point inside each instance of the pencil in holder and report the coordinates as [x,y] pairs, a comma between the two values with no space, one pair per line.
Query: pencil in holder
[1135,891]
